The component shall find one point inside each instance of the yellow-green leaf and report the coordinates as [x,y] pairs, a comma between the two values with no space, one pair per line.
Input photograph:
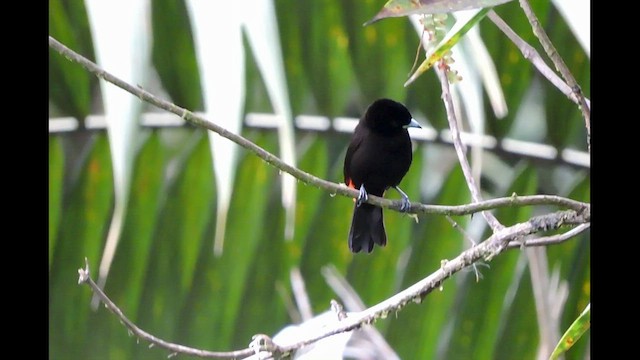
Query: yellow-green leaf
[575,331]
[452,38]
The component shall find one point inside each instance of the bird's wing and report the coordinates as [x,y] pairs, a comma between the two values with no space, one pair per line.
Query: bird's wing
[356,140]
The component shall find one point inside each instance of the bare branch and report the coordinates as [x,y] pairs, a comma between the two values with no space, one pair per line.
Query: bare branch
[551,240]
[457,226]
[441,68]
[490,204]
[85,278]
[305,177]
[460,151]
[531,54]
[551,51]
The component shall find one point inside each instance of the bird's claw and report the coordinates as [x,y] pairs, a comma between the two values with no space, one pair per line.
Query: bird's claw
[362,197]
[405,205]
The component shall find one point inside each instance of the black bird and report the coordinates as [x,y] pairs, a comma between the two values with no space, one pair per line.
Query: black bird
[378,157]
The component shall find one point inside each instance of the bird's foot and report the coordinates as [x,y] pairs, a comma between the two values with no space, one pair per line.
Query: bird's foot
[406,204]
[362,197]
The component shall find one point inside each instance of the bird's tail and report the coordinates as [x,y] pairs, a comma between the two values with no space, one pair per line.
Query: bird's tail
[367,228]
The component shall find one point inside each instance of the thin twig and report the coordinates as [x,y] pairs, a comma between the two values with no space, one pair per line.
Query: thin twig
[417,57]
[551,240]
[85,278]
[305,177]
[455,134]
[457,226]
[490,204]
[551,51]
[531,54]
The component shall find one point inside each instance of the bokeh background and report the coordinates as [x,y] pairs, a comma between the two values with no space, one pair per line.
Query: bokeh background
[200,237]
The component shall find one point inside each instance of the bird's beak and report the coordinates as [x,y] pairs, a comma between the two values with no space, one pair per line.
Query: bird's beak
[413,124]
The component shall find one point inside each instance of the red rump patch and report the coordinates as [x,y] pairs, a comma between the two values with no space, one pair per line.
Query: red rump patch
[353,186]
